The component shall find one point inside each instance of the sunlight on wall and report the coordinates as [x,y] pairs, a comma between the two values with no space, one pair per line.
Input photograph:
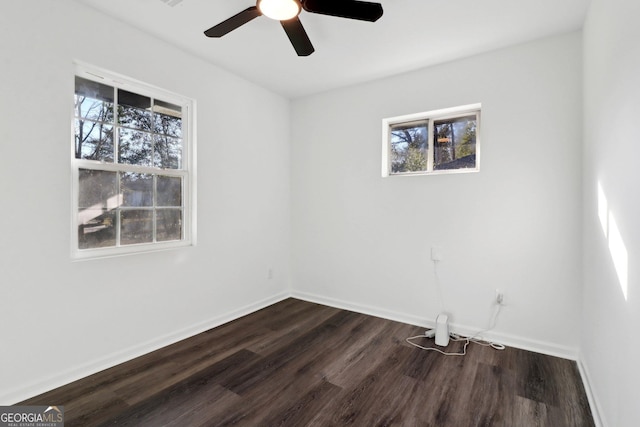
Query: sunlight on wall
[617,248]
[603,209]
[619,254]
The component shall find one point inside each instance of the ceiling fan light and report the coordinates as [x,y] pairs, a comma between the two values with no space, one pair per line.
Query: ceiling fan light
[280,10]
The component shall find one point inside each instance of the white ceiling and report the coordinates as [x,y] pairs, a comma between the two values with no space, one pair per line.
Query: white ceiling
[411,34]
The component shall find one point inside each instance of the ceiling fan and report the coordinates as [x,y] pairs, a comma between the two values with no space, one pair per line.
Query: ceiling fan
[287,11]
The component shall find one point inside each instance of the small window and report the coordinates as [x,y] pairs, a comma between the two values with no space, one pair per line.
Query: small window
[442,141]
[132,165]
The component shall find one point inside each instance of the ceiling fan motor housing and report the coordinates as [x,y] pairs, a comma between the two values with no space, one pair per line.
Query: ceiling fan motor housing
[280,10]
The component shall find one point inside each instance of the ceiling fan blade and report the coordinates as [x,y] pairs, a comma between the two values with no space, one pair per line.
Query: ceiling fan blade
[353,9]
[298,36]
[234,22]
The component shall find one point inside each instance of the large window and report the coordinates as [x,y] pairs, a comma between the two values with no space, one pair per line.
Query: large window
[433,142]
[132,166]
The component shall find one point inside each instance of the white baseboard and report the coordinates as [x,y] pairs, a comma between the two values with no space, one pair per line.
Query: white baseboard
[94,366]
[542,347]
[591,396]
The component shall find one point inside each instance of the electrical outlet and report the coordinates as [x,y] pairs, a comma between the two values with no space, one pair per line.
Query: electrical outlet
[499,297]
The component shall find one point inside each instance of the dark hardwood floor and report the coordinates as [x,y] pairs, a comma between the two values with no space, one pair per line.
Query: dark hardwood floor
[302,364]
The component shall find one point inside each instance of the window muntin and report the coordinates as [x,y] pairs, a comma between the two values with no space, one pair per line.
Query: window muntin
[442,141]
[131,167]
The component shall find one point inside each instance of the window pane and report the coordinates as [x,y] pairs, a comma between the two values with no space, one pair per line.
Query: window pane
[134,110]
[96,229]
[168,224]
[167,152]
[136,226]
[98,189]
[94,141]
[135,148]
[137,189]
[455,143]
[98,198]
[409,147]
[91,89]
[93,100]
[92,109]
[169,191]
[167,119]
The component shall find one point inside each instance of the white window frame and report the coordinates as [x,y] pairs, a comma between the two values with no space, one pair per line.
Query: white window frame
[430,117]
[187,171]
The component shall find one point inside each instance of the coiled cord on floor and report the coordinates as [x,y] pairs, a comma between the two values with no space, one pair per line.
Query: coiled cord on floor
[476,339]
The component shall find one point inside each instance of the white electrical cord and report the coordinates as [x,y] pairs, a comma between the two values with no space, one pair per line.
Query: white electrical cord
[464,350]
[438,288]
[467,340]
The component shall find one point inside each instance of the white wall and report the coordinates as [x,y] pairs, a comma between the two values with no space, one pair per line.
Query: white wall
[610,352]
[363,241]
[61,319]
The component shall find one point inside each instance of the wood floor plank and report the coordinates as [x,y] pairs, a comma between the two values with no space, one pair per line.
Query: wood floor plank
[293,405]
[292,329]
[446,383]
[360,361]
[267,366]
[176,400]
[536,412]
[492,396]
[300,411]
[297,363]
[369,401]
